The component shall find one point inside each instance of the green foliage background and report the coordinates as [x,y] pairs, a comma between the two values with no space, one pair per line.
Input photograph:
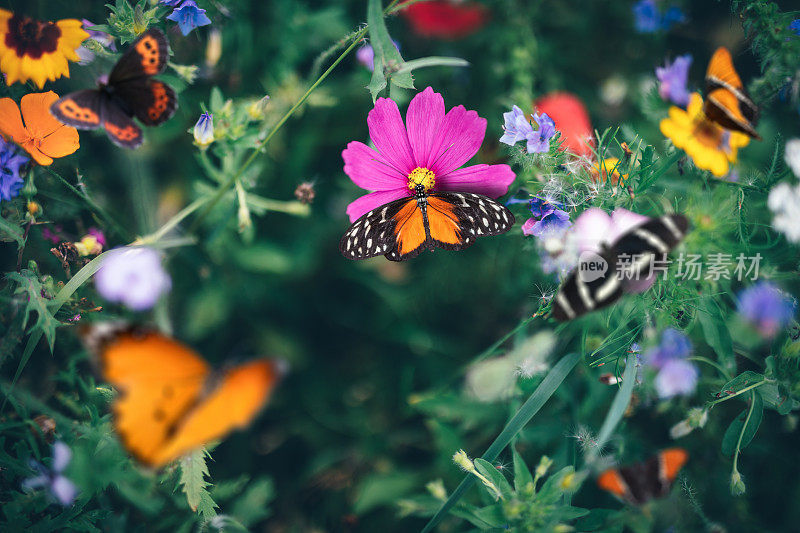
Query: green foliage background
[373,408]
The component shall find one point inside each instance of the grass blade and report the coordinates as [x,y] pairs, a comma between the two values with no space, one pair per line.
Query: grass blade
[546,388]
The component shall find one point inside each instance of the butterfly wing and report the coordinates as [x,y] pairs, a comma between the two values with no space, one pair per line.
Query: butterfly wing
[121,128]
[84,110]
[642,482]
[456,219]
[147,56]
[720,108]
[580,293]
[240,395]
[374,233]
[151,101]
[159,380]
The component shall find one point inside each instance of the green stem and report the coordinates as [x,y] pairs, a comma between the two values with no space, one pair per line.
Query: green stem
[726,398]
[220,192]
[744,428]
[712,363]
[172,223]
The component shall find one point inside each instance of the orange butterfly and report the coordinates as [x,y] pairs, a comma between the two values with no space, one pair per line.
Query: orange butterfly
[641,482]
[170,401]
[727,102]
[403,228]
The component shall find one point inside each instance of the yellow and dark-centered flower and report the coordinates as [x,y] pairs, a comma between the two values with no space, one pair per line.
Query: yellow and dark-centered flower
[34,50]
[710,146]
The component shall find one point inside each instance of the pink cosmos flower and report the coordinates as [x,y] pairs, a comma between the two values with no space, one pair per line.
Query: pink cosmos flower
[430,140]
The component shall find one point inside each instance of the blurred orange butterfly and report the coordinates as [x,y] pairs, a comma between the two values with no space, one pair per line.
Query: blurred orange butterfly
[727,102]
[170,401]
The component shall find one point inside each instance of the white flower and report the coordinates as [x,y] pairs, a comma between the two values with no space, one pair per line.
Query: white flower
[784,202]
[133,277]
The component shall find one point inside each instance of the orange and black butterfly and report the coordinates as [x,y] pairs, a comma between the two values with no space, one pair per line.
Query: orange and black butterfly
[403,228]
[641,482]
[170,402]
[131,91]
[727,102]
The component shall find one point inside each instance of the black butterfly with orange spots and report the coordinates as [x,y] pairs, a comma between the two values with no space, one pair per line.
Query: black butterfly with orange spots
[639,483]
[403,228]
[129,92]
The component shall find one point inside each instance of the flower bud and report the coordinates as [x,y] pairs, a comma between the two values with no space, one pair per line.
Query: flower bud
[204,130]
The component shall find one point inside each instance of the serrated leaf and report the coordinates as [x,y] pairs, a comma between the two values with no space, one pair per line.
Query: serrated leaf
[28,283]
[193,483]
[387,56]
[731,437]
[9,231]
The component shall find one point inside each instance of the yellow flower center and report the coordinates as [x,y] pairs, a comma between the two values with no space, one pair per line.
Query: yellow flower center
[709,134]
[421,176]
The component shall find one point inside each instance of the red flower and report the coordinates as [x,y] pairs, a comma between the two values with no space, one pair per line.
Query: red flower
[571,118]
[446,19]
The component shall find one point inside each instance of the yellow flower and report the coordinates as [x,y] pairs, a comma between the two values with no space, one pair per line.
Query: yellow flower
[710,146]
[35,50]
[600,172]
[88,245]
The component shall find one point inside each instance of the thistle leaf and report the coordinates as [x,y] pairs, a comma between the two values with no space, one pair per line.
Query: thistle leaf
[193,480]
[29,284]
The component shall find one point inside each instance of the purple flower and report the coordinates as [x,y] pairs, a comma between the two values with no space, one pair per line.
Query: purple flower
[133,277]
[171,3]
[517,128]
[547,219]
[430,149]
[10,164]
[189,17]
[61,488]
[767,307]
[366,55]
[673,79]
[204,130]
[677,376]
[97,234]
[647,18]
[673,345]
[795,26]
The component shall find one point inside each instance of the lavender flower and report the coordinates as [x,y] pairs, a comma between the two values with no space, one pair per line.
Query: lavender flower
[766,307]
[673,79]
[133,277]
[61,488]
[189,17]
[795,26]
[366,55]
[517,128]
[10,165]
[675,375]
[204,130]
[547,220]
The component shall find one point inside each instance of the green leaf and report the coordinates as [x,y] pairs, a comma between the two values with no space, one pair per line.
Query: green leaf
[28,283]
[253,505]
[12,231]
[193,483]
[387,57]
[715,330]
[731,438]
[617,409]
[382,489]
[743,381]
[523,480]
[495,476]
[431,61]
[528,410]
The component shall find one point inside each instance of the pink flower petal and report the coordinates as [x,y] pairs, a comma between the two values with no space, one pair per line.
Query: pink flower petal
[491,180]
[635,286]
[591,229]
[368,170]
[368,202]
[423,120]
[623,221]
[387,131]
[458,140]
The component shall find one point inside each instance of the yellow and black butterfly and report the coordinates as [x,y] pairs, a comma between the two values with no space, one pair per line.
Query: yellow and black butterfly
[727,102]
[170,401]
[403,228]
[129,92]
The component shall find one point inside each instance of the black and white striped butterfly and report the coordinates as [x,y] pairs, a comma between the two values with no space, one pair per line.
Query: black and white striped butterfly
[403,228]
[600,279]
